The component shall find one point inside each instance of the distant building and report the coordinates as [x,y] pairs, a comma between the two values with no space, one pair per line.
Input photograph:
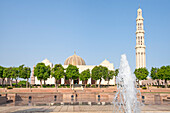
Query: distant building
[150,81]
[80,63]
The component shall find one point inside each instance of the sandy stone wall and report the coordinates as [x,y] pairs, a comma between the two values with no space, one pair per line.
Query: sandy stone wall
[149,96]
[155,90]
[69,90]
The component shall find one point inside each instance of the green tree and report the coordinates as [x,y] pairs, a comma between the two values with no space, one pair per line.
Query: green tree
[22,83]
[116,72]
[42,72]
[98,72]
[2,75]
[20,69]
[11,74]
[25,73]
[141,74]
[47,74]
[154,75]
[8,74]
[109,76]
[72,73]
[164,74]
[5,73]
[15,74]
[57,73]
[1,71]
[84,76]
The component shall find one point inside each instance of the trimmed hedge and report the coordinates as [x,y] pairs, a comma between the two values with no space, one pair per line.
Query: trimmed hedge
[9,87]
[144,88]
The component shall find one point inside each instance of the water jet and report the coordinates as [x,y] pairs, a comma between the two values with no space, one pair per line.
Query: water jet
[125,100]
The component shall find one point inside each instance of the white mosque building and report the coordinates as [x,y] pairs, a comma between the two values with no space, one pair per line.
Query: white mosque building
[80,63]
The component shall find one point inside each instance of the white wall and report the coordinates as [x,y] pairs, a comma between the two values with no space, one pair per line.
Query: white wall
[110,66]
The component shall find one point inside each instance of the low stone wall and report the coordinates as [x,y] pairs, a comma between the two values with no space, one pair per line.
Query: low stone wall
[16,90]
[69,90]
[65,90]
[2,90]
[36,90]
[154,89]
[41,90]
[154,98]
[85,95]
[147,98]
[39,97]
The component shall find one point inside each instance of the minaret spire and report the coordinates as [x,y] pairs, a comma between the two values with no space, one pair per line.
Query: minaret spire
[140,45]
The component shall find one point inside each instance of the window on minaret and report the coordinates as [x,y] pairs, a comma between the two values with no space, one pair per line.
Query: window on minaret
[141,26]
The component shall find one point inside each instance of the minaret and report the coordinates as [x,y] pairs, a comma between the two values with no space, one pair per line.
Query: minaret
[140,45]
[32,77]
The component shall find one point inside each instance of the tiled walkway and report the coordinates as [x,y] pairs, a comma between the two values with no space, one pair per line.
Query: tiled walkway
[79,108]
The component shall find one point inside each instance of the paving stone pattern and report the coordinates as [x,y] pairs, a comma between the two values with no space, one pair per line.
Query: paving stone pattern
[78,109]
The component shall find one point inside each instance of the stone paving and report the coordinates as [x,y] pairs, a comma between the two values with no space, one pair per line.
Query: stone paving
[78,109]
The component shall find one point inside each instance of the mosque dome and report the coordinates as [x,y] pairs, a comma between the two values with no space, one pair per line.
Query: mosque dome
[105,62]
[74,60]
[47,62]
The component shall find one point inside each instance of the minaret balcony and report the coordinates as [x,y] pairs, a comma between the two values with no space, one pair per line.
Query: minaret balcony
[139,18]
[140,46]
[140,31]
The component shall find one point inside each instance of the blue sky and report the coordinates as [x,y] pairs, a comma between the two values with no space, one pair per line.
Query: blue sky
[32,30]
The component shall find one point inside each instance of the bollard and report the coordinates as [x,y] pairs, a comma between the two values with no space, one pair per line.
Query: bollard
[30,98]
[98,97]
[55,97]
[72,97]
[143,99]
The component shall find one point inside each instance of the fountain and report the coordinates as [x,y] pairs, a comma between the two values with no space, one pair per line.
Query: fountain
[126,97]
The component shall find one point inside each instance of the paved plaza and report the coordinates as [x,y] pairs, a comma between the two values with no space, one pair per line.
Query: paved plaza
[78,108]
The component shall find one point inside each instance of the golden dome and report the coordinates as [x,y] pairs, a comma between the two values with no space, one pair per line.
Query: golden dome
[74,60]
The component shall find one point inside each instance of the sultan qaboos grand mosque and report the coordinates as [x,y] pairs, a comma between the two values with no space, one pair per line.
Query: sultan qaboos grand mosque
[80,63]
